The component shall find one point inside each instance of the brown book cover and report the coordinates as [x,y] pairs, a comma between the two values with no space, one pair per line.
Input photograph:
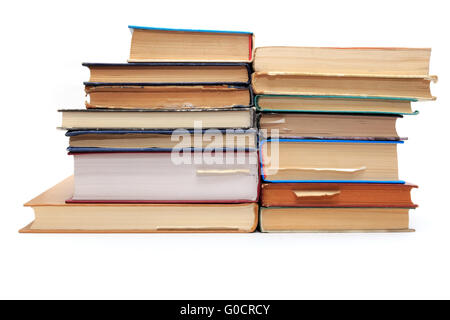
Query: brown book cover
[54,215]
[337,195]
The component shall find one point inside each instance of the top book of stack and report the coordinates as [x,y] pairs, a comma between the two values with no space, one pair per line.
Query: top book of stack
[186,45]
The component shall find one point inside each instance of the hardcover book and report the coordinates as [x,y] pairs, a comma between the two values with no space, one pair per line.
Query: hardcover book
[120,140]
[168,73]
[188,45]
[383,73]
[54,215]
[332,104]
[295,219]
[344,195]
[184,176]
[329,126]
[303,160]
[175,96]
[362,62]
[139,119]
[338,85]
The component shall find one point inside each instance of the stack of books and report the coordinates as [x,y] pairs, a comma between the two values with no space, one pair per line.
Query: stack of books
[329,144]
[167,142]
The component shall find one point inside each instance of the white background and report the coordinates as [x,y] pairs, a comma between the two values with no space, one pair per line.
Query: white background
[42,46]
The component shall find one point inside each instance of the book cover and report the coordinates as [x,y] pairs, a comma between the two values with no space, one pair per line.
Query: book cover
[170,65]
[343,195]
[330,161]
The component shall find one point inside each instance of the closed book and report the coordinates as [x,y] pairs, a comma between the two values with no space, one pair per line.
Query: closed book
[189,45]
[168,73]
[382,73]
[295,219]
[363,195]
[176,96]
[307,160]
[332,104]
[343,86]
[177,176]
[54,215]
[376,62]
[140,119]
[329,126]
[120,140]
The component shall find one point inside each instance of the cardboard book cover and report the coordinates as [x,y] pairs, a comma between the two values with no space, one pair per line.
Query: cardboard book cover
[159,74]
[54,215]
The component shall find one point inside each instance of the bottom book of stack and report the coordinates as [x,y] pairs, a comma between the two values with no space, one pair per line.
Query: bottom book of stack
[54,215]
[335,207]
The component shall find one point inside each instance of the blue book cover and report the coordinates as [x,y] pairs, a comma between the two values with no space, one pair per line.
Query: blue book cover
[74,133]
[187,30]
[73,150]
[71,133]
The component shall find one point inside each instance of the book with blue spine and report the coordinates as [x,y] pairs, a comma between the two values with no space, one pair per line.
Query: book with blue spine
[149,44]
[330,161]
[337,126]
[161,140]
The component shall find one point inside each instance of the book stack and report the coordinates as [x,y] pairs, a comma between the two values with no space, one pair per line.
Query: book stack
[169,142]
[166,143]
[329,146]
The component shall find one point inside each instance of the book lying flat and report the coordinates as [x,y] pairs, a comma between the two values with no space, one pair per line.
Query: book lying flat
[300,160]
[54,215]
[334,220]
[329,126]
[362,195]
[167,176]
[336,85]
[167,97]
[381,62]
[166,73]
[162,139]
[332,104]
[187,45]
[157,119]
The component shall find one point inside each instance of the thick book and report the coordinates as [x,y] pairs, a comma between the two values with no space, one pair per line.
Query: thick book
[329,126]
[168,73]
[177,176]
[307,160]
[231,118]
[411,88]
[343,195]
[189,45]
[176,96]
[294,219]
[376,62]
[110,140]
[54,215]
[332,104]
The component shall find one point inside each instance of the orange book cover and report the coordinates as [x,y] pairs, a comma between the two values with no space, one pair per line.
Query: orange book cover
[337,195]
